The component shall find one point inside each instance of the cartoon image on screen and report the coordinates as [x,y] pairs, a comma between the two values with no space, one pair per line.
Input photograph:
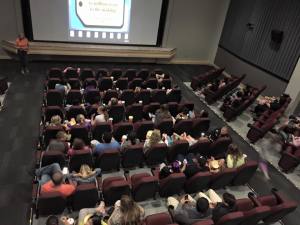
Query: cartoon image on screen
[100,16]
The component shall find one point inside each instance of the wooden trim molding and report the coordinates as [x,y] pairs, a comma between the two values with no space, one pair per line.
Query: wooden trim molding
[112,51]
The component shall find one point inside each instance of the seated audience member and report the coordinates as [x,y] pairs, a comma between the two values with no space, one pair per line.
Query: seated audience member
[63,86]
[222,208]
[80,120]
[219,133]
[102,116]
[235,158]
[183,115]
[60,143]
[112,102]
[187,211]
[86,174]
[152,137]
[286,130]
[162,113]
[296,138]
[215,166]
[108,143]
[55,121]
[78,144]
[96,103]
[53,220]
[129,140]
[175,167]
[52,180]
[189,138]
[126,212]
[92,216]
[195,164]
[264,104]
[89,85]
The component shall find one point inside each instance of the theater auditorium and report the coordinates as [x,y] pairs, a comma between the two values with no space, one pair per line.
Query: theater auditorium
[138,112]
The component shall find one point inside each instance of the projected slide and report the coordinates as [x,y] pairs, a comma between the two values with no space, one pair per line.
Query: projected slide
[99,19]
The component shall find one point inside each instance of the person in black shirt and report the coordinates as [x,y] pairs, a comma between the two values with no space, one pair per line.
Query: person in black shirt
[222,208]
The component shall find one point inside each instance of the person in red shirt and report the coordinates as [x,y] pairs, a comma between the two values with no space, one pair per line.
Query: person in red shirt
[57,184]
[22,45]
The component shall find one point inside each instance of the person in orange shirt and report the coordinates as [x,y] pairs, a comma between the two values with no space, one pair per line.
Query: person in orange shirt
[22,46]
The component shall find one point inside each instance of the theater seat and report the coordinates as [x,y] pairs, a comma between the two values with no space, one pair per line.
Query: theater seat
[133,156]
[158,219]
[165,126]
[49,157]
[223,178]
[171,185]
[199,182]
[156,154]
[79,158]
[50,204]
[183,126]
[108,160]
[120,129]
[141,128]
[178,147]
[244,173]
[113,188]
[234,218]
[85,196]
[144,186]
[99,129]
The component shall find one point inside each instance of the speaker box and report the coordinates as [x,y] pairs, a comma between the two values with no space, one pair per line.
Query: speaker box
[277,36]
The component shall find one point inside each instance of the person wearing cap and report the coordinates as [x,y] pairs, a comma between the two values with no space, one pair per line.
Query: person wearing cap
[22,46]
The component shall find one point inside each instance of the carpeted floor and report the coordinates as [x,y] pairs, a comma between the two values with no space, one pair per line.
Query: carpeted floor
[19,123]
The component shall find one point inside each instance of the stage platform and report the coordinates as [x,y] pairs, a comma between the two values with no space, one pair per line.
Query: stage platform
[90,50]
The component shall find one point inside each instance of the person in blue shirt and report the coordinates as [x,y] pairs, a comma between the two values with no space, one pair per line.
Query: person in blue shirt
[108,143]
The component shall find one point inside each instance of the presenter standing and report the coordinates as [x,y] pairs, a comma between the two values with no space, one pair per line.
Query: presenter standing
[22,46]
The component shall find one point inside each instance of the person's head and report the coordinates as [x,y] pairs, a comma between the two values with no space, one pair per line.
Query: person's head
[234,150]
[164,108]
[185,110]
[224,131]
[229,199]
[92,219]
[101,110]
[52,220]
[62,136]
[80,118]
[78,144]
[113,101]
[56,120]
[85,170]
[201,161]
[155,137]
[202,205]
[107,136]
[131,213]
[239,94]
[57,178]
[149,133]
[21,36]
[132,137]
[137,89]
[296,133]
[96,99]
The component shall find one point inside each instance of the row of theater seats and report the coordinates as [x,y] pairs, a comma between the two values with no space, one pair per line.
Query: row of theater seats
[230,113]
[55,98]
[290,158]
[268,209]
[266,122]
[133,156]
[200,80]
[116,73]
[213,96]
[142,186]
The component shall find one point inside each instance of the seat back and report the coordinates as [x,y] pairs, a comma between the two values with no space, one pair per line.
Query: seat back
[151,83]
[74,95]
[183,126]
[55,73]
[105,83]
[135,110]
[130,74]
[117,112]
[74,111]
[144,96]
[200,125]
[143,74]
[50,133]
[116,73]
[234,218]
[141,128]
[127,96]
[151,108]
[122,83]
[99,129]
[52,82]
[132,156]
[156,154]
[201,147]
[245,172]
[144,186]
[71,73]
[50,204]
[52,111]
[86,73]
[79,158]
[108,95]
[158,219]
[90,96]
[171,185]
[199,182]
[113,188]
[174,96]
[120,129]
[54,98]
[136,82]
[79,131]
[220,146]
[173,108]
[178,147]
[85,196]
[166,126]
[101,72]
[74,83]
[109,160]
[223,178]
[159,96]
[49,157]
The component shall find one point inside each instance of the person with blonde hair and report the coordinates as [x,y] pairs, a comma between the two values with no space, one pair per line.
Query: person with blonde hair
[86,174]
[55,121]
[126,212]
[80,120]
[102,116]
[235,158]
[152,138]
